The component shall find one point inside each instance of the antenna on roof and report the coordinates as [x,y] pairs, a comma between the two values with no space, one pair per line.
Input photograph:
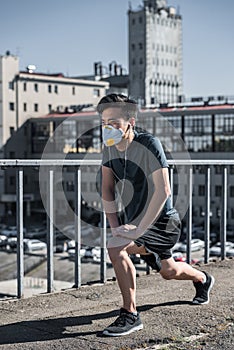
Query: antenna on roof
[31,68]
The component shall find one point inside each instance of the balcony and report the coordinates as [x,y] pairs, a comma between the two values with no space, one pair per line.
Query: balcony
[50,167]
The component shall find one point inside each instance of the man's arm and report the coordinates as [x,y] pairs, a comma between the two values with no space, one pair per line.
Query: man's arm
[157,202]
[108,196]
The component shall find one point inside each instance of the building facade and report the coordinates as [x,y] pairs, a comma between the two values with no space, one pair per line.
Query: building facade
[202,130]
[155,53]
[29,94]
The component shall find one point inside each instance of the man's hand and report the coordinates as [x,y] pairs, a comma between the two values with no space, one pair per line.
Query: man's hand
[126,231]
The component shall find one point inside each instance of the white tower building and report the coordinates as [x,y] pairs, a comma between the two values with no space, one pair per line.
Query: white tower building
[155,53]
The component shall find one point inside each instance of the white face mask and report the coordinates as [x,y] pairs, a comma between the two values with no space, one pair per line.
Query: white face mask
[111,136]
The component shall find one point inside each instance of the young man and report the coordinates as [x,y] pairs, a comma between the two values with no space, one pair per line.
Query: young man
[145,223]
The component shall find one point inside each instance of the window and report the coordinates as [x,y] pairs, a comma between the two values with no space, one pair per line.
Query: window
[141,61]
[218,191]
[49,89]
[232,213]
[56,89]
[12,180]
[25,87]
[218,169]
[35,107]
[133,62]
[201,190]
[140,46]
[11,85]
[232,191]
[93,186]
[12,155]
[12,129]
[133,21]
[232,169]
[133,47]
[11,106]
[50,108]
[25,107]
[36,87]
[140,19]
[73,90]
[70,186]
[96,92]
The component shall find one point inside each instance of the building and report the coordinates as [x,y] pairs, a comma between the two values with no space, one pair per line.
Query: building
[30,94]
[155,53]
[203,127]
[114,74]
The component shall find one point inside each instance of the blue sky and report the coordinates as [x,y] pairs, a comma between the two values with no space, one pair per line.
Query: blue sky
[70,35]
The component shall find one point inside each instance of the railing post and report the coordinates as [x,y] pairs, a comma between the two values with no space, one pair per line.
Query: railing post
[190,214]
[207,216]
[103,249]
[20,233]
[77,228]
[50,233]
[172,182]
[223,218]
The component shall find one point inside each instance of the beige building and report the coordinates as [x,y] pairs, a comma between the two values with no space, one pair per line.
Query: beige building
[155,53]
[30,94]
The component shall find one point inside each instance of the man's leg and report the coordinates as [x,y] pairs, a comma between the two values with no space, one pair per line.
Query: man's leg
[125,272]
[178,270]
[202,281]
[129,319]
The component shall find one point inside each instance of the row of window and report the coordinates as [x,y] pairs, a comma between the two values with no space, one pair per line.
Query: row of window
[161,21]
[52,88]
[25,107]
[218,191]
[162,62]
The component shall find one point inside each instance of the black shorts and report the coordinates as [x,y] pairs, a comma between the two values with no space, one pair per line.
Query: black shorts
[161,237]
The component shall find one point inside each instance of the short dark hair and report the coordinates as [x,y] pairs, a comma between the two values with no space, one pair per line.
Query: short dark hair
[128,105]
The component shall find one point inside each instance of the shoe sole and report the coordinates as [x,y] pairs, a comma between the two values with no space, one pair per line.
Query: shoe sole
[137,328]
[208,293]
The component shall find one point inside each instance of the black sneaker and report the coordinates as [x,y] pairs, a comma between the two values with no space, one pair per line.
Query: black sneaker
[203,290]
[125,324]
[153,260]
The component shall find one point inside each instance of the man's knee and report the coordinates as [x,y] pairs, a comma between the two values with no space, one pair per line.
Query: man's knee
[116,254]
[168,274]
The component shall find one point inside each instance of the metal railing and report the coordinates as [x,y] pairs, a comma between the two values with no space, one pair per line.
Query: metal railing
[19,165]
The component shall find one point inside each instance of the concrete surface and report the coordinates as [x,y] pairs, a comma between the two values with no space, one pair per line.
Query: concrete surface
[73,319]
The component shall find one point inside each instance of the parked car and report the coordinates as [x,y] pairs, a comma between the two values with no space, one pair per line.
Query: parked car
[36,233]
[196,245]
[11,243]
[11,231]
[230,252]
[216,249]
[3,241]
[71,252]
[31,245]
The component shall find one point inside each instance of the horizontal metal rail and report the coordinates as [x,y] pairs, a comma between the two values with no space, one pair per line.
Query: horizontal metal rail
[78,162]
[20,164]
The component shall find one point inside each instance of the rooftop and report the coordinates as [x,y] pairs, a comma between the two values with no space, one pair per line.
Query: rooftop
[73,318]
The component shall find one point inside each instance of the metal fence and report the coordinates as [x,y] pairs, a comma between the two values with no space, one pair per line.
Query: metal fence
[20,165]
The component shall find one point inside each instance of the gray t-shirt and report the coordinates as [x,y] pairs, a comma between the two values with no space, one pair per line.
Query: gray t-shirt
[133,170]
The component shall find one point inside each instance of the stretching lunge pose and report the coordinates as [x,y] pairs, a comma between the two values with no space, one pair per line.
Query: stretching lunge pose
[135,166]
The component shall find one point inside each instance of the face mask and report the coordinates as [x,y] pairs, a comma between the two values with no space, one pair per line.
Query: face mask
[111,136]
